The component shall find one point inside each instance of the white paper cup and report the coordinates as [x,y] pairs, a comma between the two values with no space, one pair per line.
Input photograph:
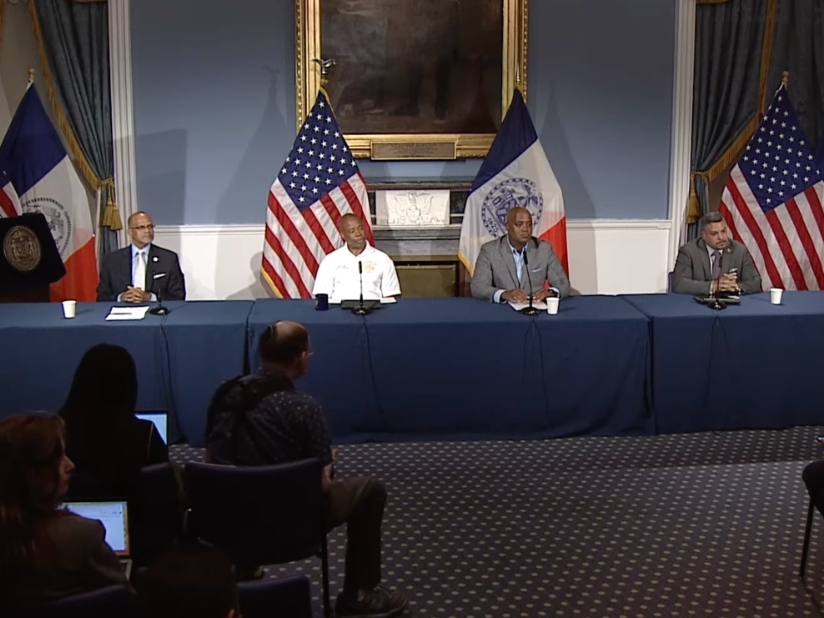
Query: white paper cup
[552,305]
[775,295]
[69,308]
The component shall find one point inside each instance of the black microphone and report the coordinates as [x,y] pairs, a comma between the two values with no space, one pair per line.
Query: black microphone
[530,310]
[160,309]
[713,302]
[360,309]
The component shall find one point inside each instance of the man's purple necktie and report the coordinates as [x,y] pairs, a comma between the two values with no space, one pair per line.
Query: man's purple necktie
[716,265]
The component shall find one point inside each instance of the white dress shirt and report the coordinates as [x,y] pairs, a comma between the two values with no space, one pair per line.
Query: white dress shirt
[338,275]
[146,274]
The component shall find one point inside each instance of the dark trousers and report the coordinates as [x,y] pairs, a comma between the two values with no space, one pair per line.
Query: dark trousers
[813,476]
[359,503]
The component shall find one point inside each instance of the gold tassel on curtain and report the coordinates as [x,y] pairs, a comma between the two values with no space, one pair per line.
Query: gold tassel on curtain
[77,152]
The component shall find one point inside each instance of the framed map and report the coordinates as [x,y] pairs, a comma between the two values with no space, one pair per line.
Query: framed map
[412,79]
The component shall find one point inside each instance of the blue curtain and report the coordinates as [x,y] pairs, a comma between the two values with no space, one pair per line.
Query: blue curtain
[73,38]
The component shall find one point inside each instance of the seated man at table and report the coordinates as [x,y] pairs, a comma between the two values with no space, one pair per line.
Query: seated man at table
[141,272]
[260,419]
[714,263]
[340,272]
[501,268]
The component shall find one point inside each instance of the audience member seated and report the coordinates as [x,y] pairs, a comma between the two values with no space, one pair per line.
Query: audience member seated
[104,438]
[189,581]
[714,263]
[142,271]
[260,419]
[45,553]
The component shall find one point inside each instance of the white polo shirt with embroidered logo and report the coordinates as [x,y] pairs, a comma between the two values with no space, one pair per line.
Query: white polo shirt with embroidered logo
[338,275]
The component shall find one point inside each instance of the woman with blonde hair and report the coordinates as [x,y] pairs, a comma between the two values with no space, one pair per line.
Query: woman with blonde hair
[45,552]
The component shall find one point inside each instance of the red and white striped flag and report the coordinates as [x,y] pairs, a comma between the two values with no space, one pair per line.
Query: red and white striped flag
[772,202]
[318,184]
[9,200]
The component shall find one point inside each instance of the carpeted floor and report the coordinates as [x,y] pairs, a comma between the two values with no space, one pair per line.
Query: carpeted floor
[682,525]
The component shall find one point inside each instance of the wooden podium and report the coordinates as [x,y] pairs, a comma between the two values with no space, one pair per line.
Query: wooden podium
[29,259]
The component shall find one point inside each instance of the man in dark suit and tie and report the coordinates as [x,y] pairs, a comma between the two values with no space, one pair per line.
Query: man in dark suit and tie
[141,271]
[500,270]
[704,265]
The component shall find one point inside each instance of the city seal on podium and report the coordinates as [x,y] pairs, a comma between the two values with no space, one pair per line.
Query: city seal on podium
[60,223]
[506,195]
[22,249]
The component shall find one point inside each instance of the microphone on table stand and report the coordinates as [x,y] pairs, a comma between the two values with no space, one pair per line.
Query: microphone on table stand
[160,309]
[530,310]
[360,309]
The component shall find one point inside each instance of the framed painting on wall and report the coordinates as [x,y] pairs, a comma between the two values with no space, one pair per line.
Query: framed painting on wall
[412,79]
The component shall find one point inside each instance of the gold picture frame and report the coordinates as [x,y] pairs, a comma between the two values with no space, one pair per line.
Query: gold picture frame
[401,92]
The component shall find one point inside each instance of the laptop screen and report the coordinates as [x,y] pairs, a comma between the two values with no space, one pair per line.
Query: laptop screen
[159,420]
[114,517]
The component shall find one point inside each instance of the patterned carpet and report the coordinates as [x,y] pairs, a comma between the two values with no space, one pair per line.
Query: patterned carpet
[682,525]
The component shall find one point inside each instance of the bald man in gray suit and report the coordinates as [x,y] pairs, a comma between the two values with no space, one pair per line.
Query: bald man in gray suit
[501,268]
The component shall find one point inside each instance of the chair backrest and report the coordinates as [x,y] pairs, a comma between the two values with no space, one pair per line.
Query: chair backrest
[670,276]
[258,515]
[109,602]
[275,597]
[157,516]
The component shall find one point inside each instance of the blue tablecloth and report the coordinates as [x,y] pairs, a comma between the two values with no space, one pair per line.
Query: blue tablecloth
[180,357]
[456,368]
[749,366]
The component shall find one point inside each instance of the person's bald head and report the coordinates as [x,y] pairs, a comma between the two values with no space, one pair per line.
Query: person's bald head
[353,232]
[519,226]
[286,345]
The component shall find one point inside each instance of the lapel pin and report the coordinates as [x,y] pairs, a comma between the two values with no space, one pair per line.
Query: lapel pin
[154,258]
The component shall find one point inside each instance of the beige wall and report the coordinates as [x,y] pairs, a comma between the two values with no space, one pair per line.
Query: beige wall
[18,53]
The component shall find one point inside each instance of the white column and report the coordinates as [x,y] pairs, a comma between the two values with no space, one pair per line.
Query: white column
[120,59]
[681,124]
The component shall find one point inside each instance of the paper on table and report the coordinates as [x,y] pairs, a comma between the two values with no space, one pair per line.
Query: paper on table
[127,313]
[518,306]
[384,301]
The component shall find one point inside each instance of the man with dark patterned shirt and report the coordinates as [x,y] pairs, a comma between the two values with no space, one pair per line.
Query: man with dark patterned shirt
[260,419]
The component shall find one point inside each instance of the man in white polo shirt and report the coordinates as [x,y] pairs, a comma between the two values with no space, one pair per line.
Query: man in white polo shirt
[338,272]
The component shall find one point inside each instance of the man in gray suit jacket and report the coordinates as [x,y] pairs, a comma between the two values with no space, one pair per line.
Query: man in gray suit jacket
[500,270]
[704,266]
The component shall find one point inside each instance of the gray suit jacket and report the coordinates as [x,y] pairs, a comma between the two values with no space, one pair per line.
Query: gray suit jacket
[495,269]
[693,270]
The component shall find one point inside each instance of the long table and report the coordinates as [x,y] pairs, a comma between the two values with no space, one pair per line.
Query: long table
[754,365]
[458,368]
[180,357]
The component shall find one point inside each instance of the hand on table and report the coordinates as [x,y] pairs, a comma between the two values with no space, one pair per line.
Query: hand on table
[542,295]
[514,296]
[728,283]
[135,295]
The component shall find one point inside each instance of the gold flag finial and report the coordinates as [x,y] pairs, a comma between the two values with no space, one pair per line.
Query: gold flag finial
[785,78]
[31,77]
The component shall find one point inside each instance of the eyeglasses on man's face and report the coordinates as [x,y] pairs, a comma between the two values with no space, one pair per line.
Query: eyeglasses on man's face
[143,228]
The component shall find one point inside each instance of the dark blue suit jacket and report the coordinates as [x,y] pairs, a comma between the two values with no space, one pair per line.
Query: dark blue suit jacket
[116,274]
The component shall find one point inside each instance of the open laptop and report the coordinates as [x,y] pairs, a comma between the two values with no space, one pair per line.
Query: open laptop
[114,515]
[160,420]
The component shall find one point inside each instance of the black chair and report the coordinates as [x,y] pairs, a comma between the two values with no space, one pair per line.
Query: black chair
[290,597]
[260,515]
[157,517]
[808,532]
[670,279]
[109,602]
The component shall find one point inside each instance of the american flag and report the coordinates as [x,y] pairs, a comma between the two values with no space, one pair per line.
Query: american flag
[9,200]
[772,202]
[317,185]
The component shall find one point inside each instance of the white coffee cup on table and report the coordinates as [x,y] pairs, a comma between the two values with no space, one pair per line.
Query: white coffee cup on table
[775,295]
[69,308]
[552,304]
